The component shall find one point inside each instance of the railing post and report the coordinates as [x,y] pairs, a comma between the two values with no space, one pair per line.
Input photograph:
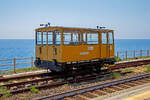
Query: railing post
[140,53]
[118,54]
[32,63]
[14,65]
[126,54]
[147,52]
[134,54]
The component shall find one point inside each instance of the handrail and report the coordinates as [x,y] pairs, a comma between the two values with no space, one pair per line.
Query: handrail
[133,54]
[15,62]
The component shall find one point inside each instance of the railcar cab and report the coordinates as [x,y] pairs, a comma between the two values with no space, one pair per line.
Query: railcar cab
[60,48]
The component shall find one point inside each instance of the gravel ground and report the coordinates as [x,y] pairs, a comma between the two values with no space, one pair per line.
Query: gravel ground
[29,95]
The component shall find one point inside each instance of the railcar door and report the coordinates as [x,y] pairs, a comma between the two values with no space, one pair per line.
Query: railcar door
[44,46]
[50,45]
[111,44]
[41,45]
[104,45]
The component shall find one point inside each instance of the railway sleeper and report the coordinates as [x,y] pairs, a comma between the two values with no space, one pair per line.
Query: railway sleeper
[92,93]
[111,89]
[83,97]
[117,87]
[100,92]
[107,90]
[131,84]
[88,95]
[124,86]
[145,80]
[67,98]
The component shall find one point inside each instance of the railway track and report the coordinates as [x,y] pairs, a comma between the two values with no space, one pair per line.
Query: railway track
[48,83]
[94,91]
[133,63]
[45,80]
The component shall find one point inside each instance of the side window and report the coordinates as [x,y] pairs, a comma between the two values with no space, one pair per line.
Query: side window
[67,38]
[38,38]
[110,38]
[90,38]
[104,38]
[50,37]
[44,37]
[71,38]
[57,37]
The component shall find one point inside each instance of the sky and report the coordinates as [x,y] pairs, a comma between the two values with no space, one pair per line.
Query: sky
[130,19]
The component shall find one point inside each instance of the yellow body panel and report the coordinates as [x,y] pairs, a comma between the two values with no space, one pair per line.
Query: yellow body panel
[80,53]
[70,53]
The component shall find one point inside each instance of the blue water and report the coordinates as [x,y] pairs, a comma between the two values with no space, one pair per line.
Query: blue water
[10,48]
[131,44]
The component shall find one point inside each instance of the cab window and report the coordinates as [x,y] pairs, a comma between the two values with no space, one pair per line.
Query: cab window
[57,38]
[110,38]
[71,38]
[90,38]
[104,38]
[50,38]
[44,37]
[38,38]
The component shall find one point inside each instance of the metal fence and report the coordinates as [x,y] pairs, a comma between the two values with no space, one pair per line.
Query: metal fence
[133,54]
[12,64]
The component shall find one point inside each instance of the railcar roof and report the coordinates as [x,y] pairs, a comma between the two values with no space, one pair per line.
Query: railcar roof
[70,28]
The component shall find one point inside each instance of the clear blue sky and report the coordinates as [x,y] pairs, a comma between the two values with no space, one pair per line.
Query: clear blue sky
[129,18]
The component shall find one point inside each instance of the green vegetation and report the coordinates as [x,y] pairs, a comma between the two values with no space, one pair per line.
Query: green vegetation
[116,74]
[6,94]
[5,91]
[55,80]
[65,85]
[147,68]
[21,70]
[129,70]
[117,59]
[33,89]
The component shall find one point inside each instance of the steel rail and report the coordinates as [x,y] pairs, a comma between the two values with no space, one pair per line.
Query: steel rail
[130,64]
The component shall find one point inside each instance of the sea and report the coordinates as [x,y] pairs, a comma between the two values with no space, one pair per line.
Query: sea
[21,48]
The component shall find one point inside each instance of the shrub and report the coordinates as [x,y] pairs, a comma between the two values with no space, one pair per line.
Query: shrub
[117,58]
[148,68]
[7,94]
[65,85]
[116,74]
[5,91]
[33,89]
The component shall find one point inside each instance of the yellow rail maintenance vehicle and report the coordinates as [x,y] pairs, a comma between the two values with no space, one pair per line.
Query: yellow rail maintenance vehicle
[62,49]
